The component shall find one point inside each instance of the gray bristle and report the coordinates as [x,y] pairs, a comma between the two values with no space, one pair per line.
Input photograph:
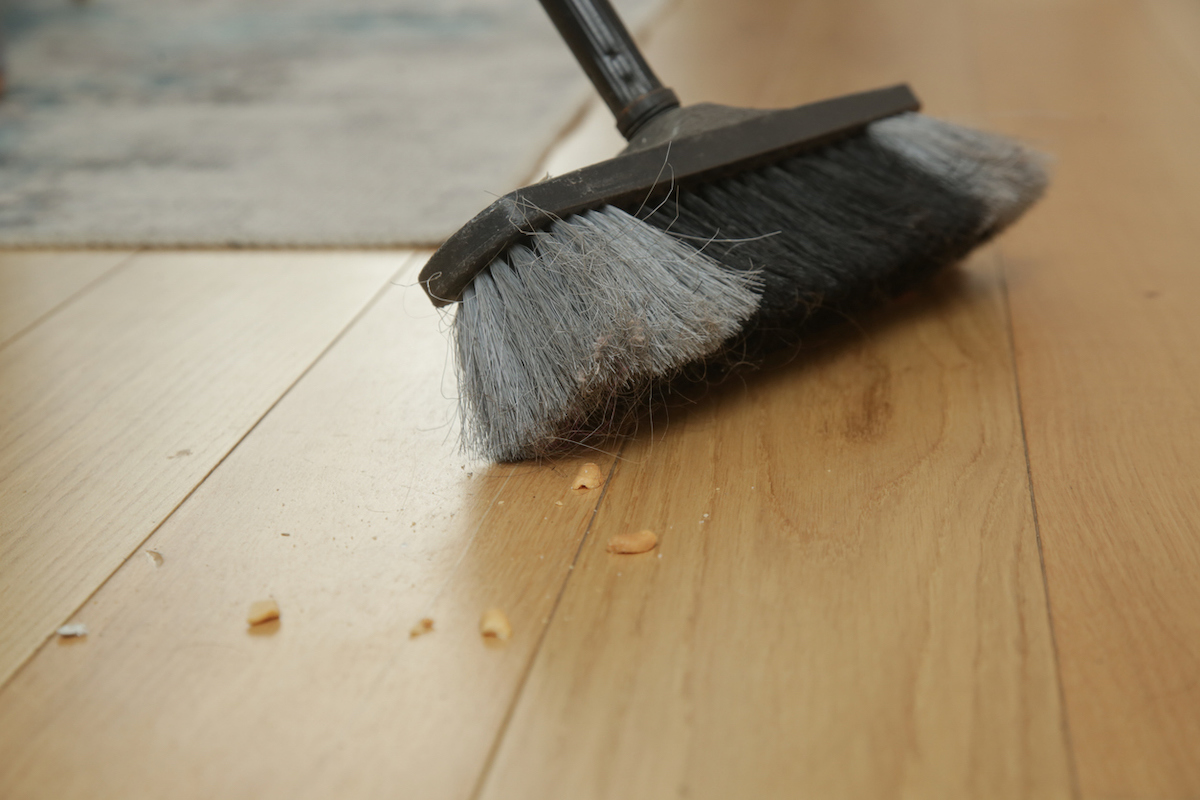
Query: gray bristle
[839,229]
[1004,176]
[600,306]
[558,341]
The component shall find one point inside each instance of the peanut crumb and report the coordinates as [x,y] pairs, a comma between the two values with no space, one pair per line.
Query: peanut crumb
[423,626]
[155,557]
[263,611]
[72,629]
[588,477]
[639,542]
[494,624]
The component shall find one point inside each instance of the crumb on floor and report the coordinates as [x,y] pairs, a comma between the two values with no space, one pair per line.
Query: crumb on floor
[588,477]
[263,611]
[628,543]
[494,624]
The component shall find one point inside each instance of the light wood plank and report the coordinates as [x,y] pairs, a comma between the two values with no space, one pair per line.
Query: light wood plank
[1104,285]
[32,284]
[1073,59]
[848,601]
[171,696]
[1177,26]
[873,630]
[779,53]
[117,407]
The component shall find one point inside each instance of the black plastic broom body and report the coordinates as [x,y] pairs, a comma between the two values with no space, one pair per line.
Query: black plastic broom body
[716,230]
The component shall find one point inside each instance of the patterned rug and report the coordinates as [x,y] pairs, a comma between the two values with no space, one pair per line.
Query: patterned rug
[273,122]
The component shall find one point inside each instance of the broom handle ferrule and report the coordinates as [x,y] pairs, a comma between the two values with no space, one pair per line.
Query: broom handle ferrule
[602,46]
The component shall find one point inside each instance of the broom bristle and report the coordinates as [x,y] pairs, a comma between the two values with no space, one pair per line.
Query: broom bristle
[860,221]
[557,339]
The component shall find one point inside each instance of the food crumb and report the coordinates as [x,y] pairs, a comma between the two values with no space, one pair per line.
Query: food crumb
[72,629]
[588,477]
[494,624]
[263,611]
[155,557]
[558,502]
[628,543]
[423,626]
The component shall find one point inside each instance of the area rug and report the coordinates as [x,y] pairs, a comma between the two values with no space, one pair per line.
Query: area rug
[267,123]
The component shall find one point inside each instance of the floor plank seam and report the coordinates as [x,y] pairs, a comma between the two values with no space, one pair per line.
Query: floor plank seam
[1037,532]
[287,390]
[537,648]
[78,293]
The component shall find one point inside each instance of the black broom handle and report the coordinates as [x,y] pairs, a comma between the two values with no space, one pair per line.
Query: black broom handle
[602,46]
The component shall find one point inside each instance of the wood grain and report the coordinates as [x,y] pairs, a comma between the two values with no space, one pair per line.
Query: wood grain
[779,53]
[34,283]
[350,506]
[118,406]
[1104,286]
[848,601]
[1176,25]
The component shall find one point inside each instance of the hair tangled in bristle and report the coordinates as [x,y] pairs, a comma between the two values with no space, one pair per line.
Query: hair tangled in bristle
[856,222]
[573,335]
[555,338]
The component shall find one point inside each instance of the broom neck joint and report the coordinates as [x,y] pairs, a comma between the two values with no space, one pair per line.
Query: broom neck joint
[633,117]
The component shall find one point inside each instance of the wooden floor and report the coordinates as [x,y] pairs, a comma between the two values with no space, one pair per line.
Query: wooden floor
[954,554]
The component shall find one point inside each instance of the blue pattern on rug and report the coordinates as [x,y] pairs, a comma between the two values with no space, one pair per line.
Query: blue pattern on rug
[272,123]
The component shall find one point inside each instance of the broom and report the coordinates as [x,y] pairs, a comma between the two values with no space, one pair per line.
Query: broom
[717,231]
